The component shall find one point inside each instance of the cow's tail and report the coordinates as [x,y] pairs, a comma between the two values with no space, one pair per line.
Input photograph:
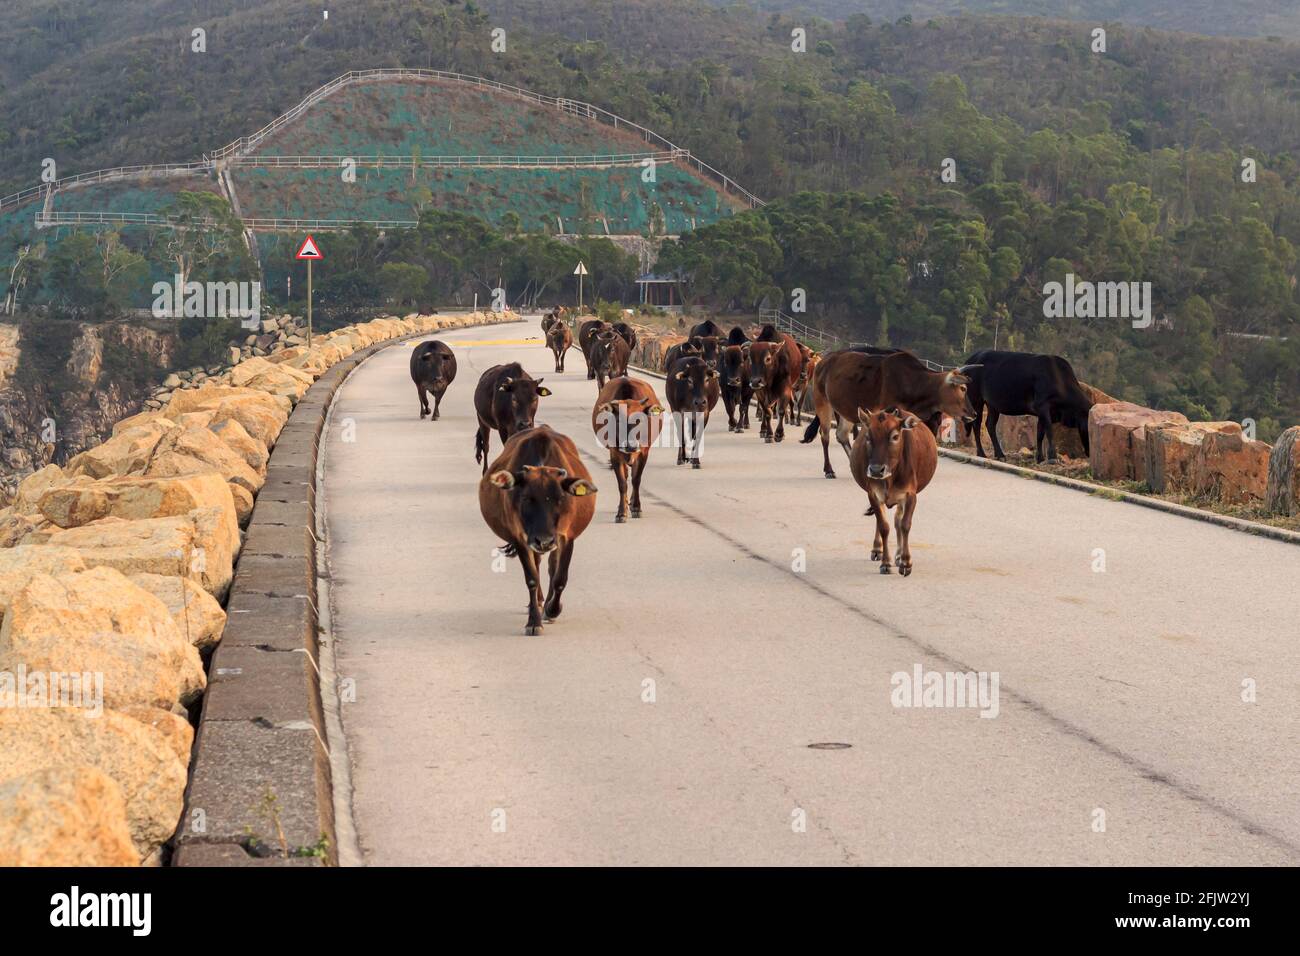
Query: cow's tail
[478,446]
[811,431]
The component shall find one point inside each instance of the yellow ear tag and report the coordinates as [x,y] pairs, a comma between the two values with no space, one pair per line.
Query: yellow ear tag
[580,490]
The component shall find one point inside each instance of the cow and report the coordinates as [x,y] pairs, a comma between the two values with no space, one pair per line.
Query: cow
[737,389]
[548,321]
[737,336]
[680,350]
[845,381]
[706,329]
[626,419]
[608,356]
[692,390]
[1023,383]
[539,498]
[773,371]
[628,333]
[586,332]
[893,459]
[705,346]
[433,368]
[559,339]
[808,360]
[505,399]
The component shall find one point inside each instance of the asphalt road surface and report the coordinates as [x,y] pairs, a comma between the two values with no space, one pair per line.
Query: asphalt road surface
[670,715]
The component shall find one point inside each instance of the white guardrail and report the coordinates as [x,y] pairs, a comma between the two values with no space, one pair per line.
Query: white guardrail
[826,340]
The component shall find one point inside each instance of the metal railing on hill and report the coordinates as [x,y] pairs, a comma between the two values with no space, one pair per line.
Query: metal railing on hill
[114,174]
[827,341]
[575,107]
[45,220]
[263,161]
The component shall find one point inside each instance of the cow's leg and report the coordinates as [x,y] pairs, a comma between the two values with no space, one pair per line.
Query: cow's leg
[679,429]
[744,410]
[1083,439]
[844,434]
[1045,431]
[979,421]
[437,404]
[481,441]
[532,577]
[903,525]
[619,461]
[424,399]
[559,568]
[729,400]
[699,427]
[783,404]
[637,469]
[993,434]
[880,546]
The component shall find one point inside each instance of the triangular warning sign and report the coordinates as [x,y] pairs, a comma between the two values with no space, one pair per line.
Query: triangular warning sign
[309,250]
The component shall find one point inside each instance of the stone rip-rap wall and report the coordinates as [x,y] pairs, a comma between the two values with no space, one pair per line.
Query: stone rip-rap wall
[113,573]
[1161,449]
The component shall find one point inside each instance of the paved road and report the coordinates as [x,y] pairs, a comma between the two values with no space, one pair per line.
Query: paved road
[1120,690]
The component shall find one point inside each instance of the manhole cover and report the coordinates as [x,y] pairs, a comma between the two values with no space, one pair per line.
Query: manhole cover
[829,745]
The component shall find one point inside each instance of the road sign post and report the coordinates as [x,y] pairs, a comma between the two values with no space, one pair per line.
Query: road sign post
[580,271]
[310,252]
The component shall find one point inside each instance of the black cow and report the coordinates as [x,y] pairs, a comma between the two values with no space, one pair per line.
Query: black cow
[586,332]
[505,399]
[1025,383]
[692,389]
[737,336]
[706,328]
[628,333]
[737,389]
[433,368]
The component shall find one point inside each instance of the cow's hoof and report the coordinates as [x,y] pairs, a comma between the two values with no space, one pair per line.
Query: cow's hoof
[508,550]
[767,439]
[636,512]
[435,416]
[904,569]
[619,519]
[886,569]
[551,613]
[780,436]
[695,463]
[532,630]
[875,555]
[1002,457]
[830,474]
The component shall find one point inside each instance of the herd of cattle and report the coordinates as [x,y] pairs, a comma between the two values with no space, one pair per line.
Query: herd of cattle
[886,407]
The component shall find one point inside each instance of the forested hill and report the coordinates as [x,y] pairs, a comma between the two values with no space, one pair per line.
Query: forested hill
[1244,18]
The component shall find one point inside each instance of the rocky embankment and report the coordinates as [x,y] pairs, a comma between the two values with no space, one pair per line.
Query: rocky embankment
[113,572]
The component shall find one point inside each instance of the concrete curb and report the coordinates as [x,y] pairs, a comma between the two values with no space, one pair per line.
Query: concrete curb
[260,772]
[1146,501]
[1159,504]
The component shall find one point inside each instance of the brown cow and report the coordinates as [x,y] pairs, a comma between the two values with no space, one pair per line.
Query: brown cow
[847,380]
[559,339]
[539,498]
[586,332]
[892,461]
[548,321]
[608,355]
[626,419]
[692,390]
[505,399]
[773,371]
[808,360]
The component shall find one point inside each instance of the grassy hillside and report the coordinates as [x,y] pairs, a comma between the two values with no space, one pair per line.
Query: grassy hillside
[1244,18]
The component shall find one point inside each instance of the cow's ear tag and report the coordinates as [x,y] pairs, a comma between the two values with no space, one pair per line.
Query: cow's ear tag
[544,392]
[502,479]
[656,410]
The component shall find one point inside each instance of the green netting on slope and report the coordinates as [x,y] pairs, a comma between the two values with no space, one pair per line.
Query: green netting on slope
[540,197]
[443,119]
[126,197]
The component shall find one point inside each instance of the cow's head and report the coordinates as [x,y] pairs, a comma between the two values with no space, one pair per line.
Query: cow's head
[555,334]
[734,366]
[764,359]
[604,351]
[953,400]
[629,424]
[539,495]
[436,366]
[883,431]
[706,346]
[692,378]
[515,403]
